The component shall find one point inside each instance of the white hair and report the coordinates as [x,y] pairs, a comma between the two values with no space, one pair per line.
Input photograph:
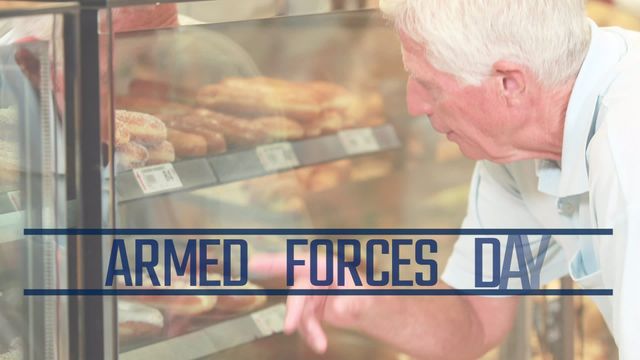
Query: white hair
[467,37]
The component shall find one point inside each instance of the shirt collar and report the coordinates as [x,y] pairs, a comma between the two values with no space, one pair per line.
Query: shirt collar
[570,177]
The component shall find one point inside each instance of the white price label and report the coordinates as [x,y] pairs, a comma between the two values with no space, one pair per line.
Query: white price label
[157,178]
[279,156]
[14,197]
[271,320]
[359,141]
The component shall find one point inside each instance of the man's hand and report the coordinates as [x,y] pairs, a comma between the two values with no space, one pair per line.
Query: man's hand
[440,327]
[306,314]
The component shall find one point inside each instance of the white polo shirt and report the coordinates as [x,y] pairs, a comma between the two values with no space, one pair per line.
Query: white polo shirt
[597,185]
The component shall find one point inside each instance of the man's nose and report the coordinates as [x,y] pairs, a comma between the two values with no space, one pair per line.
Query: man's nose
[418,101]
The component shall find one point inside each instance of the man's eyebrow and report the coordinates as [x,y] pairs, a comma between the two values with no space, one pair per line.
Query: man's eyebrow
[406,69]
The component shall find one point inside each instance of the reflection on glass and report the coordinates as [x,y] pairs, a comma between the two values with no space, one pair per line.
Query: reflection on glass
[32,185]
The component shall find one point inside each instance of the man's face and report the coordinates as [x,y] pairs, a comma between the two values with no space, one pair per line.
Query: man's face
[474,117]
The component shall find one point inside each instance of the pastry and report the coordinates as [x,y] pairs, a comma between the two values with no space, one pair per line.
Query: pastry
[279,128]
[130,156]
[175,305]
[199,125]
[138,321]
[187,145]
[255,97]
[161,153]
[122,135]
[143,128]
[240,304]
[151,105]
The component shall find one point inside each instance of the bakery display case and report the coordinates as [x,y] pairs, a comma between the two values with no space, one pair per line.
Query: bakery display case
[194,115]
[35,101]
[293,120]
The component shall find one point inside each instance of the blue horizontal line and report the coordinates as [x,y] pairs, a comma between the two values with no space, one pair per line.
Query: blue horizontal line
[321,292]
[191,232]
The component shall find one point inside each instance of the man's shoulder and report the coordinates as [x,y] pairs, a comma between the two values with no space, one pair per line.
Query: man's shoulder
[615,147]
[626,82]
[620,102]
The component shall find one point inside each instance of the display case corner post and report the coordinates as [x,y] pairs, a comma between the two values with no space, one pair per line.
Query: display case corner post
[89,316]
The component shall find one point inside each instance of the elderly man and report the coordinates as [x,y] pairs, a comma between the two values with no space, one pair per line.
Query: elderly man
[549,105]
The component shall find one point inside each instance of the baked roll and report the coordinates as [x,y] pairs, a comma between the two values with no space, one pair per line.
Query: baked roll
[143,128]
[241,132]
[279,128]
[130,156]
[177,305]
[161,153]
[9,166]
[216,143]
[151,105]
[254,97]
[138,321]
[238,132]
[122,135]
[234,304]
[196,120]
[187,145]
[202,126]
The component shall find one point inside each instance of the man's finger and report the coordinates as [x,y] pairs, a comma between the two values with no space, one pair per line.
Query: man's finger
[268,264]
[314,334]
[295,309]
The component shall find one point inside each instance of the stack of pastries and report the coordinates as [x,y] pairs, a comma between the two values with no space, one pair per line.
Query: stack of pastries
[146,316]
[240,113]
[140,140]
[9,150]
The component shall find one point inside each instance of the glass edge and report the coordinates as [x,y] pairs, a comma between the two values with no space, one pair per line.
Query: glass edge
[37,8]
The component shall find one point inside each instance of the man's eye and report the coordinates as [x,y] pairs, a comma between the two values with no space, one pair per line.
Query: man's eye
[422,83]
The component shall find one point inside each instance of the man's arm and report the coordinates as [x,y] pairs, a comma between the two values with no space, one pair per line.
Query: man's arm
[434,327]
[452,327]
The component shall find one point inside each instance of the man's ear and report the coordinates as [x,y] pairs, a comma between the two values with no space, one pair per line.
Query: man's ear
[511,81]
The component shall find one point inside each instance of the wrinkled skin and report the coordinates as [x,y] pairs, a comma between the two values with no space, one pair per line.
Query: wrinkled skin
[510,116]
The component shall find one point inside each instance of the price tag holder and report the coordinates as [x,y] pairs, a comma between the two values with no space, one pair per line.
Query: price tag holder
[279,156]
[16,201]
[271,320]
[157,178]
[359,141]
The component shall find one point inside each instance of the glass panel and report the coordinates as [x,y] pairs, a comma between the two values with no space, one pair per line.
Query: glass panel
[286,122]
[32,186]
[273,114]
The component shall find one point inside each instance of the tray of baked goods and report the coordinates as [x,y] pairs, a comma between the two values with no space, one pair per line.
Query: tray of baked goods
[238,129]
[190,327]
[9,160]
[10,202]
